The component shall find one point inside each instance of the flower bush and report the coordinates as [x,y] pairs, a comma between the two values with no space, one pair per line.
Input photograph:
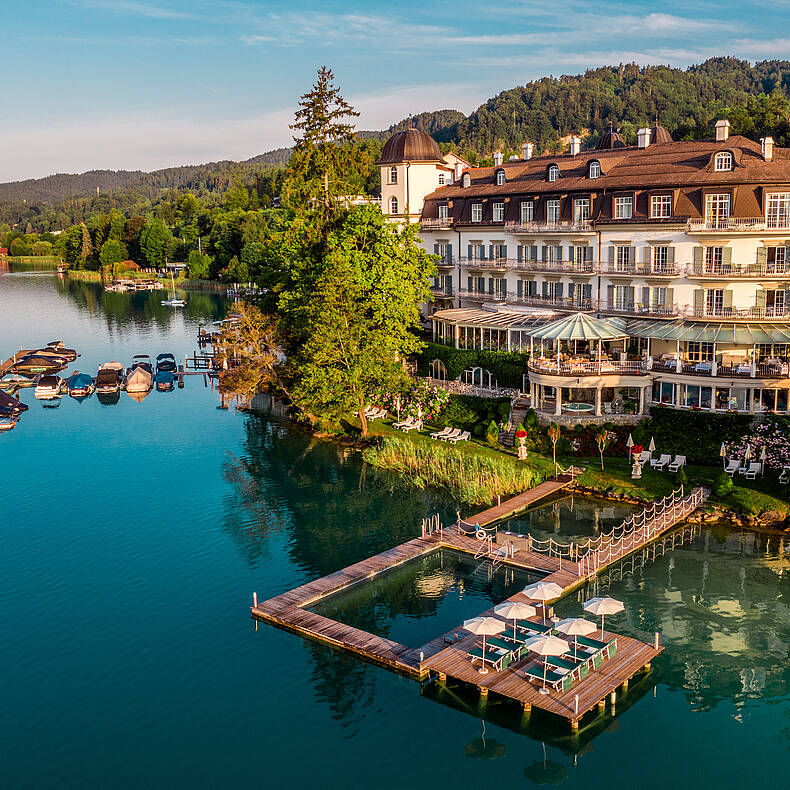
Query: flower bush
[417,399]
[769,435]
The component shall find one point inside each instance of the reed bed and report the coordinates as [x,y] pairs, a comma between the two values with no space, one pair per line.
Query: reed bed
[470,477]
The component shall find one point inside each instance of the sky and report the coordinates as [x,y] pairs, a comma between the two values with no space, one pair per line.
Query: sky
[144,84]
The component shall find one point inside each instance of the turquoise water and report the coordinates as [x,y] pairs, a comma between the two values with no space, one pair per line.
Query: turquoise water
[134,536]
[425,597]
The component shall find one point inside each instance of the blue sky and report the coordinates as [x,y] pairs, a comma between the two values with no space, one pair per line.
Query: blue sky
[142,84]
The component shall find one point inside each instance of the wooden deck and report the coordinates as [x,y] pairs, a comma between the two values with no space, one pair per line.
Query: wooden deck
[520,502]
[11,361]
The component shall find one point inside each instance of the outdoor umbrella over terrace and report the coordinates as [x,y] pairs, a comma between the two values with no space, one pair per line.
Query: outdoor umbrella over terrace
[543,591]
[575,626]
[602,607]
[514,610]
[484,626]
[547,645]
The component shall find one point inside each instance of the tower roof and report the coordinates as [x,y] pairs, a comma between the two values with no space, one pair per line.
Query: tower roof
[659,134]
[410,145]
[610,139]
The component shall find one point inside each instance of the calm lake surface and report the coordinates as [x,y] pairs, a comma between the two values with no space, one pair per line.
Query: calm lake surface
[134,535]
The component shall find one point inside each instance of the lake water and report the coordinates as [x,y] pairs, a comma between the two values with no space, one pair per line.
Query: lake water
[135,534]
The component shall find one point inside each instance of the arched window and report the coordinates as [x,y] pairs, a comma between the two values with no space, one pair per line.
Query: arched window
[393,175]
[500,177]
[466,180]
[723,161]
[437,370]
[595,169]
[393,205]
[554,173]
[441,179]
[479,377]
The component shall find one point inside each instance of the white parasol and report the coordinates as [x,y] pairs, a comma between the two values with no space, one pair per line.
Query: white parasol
[484,626]
[602,607]
[546,645]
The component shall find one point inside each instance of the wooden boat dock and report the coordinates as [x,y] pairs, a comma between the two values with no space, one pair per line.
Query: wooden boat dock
[11,361]
[446,656]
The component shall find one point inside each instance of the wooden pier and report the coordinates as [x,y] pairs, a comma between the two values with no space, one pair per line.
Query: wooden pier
[446,656]
[11,361]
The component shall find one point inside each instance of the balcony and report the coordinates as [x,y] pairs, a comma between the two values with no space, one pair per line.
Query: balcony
[641,269]
[749,271]
[482,295]
[486,263]
[735,313]
[440,292]
[551,302]
[576,367]
[737,225]
[570,267]
[640,309]
[584,226]
[745,370]
[436,224]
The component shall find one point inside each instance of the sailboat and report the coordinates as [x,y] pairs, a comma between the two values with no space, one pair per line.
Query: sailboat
[173,302]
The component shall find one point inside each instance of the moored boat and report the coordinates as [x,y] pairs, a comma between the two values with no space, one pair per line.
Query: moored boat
[80,385]
[165,381]
[37,363]
[109,378]
[139,377]
[167,362]
[48,386]
[10,406]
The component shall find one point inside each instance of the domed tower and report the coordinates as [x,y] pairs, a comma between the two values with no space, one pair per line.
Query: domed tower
[659,134]
[610,139]
[412,167]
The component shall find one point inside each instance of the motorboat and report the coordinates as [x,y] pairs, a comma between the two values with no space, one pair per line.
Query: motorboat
[37,363]
[142,361]
[7,425]
[166,362]
[109,378]
[164,381]
[80,385]
[10,406]
[48,386]
[58,347]
[139,377]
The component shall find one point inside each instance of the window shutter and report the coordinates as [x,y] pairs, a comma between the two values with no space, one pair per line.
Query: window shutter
[449,283]
[762,256]
[571,290]
[726,256]
[490,285]
[482,250]
[435,249]
[448,253]
[559,253]
[631,294]
[503,250]
[699,258]
[699,298]
[544,289]
[632,255]
[670,254]
[481,285]
[558,290]
[533,288]
[670,297]
[533,252]
[588,252]
[571,256]
[544,253]
[587,291]
[611,255]
[469,252]
[760,299]
[520,288]
[727,299]
[470,284]
[520,253]
[490,252]
[610,296]
[645,297]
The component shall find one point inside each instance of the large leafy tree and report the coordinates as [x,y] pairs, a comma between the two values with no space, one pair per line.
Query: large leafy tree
[362,318]
[155,242]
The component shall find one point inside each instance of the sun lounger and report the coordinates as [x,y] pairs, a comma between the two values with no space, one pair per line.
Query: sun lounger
[558,681]
[732,466]
[680,460]
[752,472]
[597,660]
[463,437]
[407,421]
[414,426]
[531,625]
[375,414]
[784,477]
[492,657]
[453,432]
[644,457]
[661,462]
[590,642]
[561,663]
[441,434]
[503,643]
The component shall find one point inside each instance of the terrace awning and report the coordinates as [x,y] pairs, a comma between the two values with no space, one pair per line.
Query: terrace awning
[499,319]
[743,334]
[581,326]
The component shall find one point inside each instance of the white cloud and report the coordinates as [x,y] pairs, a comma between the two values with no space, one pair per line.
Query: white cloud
[134,8]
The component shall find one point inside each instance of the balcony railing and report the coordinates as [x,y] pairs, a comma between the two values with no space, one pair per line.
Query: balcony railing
[551,302]
[486,263]
[737,225]
[757,270]
[584,226]
[745,370]
[757,313]
[549,366]
[587,267]
[442,291]
[640,308]
[441,222]
[642,269]
[483,295]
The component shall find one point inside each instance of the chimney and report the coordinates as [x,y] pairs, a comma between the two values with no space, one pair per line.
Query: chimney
[722,130]
[499,157]
[643,138]
[459,168]
[527,150]
[767,144]
[575,145]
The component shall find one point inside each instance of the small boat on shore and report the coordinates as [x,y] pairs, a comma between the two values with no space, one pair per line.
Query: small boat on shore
[80,385]
[58,347]
[48,386]
[109,378]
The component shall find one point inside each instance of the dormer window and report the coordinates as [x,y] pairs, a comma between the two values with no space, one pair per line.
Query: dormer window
[441,179]
[554,173]
[393,175]
[722,161]
[595,169]
[466,180]
[500,177]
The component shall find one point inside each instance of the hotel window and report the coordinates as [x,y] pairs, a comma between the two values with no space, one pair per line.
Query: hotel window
[444,251]
[658,301]
[499,212]
[624,207]
[778,210]
[713,260]
[622,258]
[554,173]
[714,301]
[500,177]
[595,169]
[441,179]
[776,258]
[775,302]
[622,297]
[477,212]
[527,211]
[717,210]
[723,161]
[393,175]
[700,352]
[582,257]
[660,258]
[393,205]
[581,210]
[443,211]
[660,206]
[466,180]
[553,211]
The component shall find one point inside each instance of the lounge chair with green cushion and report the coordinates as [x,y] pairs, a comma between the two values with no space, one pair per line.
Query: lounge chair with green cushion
[536,673]
[556,661]
[531,625]
[597,660]
[518,636]
[567,682]
[491,657]
[612,648]
[586,640]
[505,663]
[505,644]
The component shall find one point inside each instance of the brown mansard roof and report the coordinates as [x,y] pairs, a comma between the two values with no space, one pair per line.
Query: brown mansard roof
[410,145]
[683,163]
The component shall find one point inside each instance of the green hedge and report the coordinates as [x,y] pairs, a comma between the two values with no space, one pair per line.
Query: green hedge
[696,434]
[507,367]
[472,413]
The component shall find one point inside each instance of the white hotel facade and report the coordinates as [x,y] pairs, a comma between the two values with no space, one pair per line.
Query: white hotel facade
[682,248]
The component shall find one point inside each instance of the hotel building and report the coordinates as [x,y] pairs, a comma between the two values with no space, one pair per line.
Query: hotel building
[680,250]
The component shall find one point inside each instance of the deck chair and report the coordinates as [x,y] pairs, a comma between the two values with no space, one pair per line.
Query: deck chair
[443,432]
[590,642]
[415,426]
[732,466]
[644,457]
[661,462]
[536,673]
[453,432]
[597,660]
[464,436]
[752,472]
[612,648]
[564,663]
[784,477]
[407,421]
[680,460]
